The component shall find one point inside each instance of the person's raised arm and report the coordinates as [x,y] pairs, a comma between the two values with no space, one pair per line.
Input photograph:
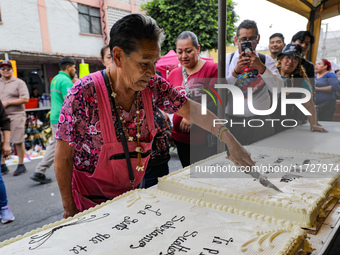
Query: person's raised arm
[314,126]
[271,75]
[237,153]
[63,168]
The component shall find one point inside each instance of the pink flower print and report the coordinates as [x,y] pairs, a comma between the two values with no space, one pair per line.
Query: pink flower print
[164,87]
[73,90]
[86,148]
[68,118]
[177,103]
[61,118]
[77,161]
[91,130]
[90,99]
[97,126]
[74,119]
[78,147]
[132,125]
[141,114]
[151,83]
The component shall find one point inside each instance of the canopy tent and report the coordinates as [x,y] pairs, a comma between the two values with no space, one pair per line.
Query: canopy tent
[166,63]
[315,11]
[169,61]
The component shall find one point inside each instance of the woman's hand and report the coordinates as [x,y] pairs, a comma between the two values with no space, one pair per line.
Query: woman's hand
[185,125]
[70,211]
[318,128]
[238,154]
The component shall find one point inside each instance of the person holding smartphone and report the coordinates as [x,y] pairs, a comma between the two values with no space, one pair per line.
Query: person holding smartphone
[245,68]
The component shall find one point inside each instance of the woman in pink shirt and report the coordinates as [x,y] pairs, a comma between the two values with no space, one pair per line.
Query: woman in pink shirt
[198,73]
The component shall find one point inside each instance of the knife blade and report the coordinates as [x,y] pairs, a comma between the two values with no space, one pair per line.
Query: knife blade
[262,179]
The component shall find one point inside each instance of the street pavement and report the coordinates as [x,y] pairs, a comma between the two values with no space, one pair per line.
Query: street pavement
[35,205]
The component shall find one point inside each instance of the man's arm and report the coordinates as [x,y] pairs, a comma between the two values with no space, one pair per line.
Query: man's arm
[18,101]
[63,168]
[237,153]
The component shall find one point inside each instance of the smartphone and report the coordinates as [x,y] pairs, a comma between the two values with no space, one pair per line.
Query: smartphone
[247,46]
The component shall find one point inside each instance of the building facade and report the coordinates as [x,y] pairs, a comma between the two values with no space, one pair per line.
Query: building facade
[37,33]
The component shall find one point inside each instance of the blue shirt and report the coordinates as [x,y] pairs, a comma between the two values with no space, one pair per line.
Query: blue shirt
[329,79]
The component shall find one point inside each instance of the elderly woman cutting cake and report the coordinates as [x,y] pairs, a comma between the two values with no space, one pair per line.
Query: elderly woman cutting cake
[106,125]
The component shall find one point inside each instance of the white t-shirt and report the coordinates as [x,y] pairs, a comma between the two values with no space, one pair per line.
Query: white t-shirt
[261,100]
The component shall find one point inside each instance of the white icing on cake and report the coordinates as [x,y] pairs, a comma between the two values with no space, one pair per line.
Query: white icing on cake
[302,200]
[157,222]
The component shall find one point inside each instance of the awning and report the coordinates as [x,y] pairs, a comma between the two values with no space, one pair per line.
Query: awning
[315,11]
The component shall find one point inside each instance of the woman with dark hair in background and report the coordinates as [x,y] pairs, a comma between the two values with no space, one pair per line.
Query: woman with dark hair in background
[105,53]
[193,74]
[326,85]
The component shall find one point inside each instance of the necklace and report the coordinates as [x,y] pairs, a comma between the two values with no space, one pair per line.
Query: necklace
[193,69]
[138,149]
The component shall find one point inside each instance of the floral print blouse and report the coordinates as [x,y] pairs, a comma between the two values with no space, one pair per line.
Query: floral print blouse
[79,122]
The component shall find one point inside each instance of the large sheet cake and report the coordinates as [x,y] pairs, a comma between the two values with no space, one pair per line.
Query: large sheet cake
[309,181]
[157,222]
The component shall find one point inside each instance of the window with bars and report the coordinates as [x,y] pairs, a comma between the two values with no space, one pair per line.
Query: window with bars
[89,19]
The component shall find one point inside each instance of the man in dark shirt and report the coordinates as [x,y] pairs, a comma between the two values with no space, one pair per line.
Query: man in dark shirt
[306,39]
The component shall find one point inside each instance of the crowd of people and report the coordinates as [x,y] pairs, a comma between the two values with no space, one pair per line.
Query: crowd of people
[111,129]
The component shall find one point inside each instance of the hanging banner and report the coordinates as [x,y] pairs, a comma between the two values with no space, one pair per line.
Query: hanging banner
[14,65]
[83,70]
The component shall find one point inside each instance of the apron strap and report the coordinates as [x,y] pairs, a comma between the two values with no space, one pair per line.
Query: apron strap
[120,131]
[105,112]
[147,100]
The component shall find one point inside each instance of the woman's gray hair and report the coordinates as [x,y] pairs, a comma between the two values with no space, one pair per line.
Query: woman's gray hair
[191,35]
[127,32]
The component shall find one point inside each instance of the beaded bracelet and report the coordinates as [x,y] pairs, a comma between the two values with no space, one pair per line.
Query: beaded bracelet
[236,72]
[220,131]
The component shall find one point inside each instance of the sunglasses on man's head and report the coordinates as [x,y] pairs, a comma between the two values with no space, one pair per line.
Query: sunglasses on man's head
[6,68]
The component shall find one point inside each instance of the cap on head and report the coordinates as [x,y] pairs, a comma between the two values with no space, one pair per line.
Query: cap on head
[292,49]
[6,63]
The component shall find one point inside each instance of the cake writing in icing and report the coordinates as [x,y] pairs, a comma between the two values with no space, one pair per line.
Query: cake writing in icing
[39,240]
